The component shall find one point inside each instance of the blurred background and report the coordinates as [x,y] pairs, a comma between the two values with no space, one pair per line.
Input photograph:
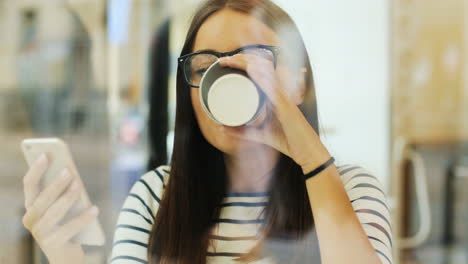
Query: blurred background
[392,91]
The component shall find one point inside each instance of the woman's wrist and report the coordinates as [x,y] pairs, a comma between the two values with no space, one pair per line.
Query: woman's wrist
[319,168]
[315,161]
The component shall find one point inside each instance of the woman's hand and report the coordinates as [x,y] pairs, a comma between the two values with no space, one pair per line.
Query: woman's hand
[46,209]
[286,129]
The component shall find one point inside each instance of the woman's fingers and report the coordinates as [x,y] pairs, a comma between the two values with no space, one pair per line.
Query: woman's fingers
[251,64]
[263,73]
[32,178]
[46,208]
[46,198]
[277,86]
[57,210]
[73,227]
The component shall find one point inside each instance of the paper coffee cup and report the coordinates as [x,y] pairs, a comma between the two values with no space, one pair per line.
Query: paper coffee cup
[230,97]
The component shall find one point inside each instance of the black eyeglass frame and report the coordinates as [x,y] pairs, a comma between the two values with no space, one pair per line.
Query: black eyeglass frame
[182,59]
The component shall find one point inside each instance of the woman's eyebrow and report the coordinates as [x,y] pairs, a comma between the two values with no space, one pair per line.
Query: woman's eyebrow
[212,50]
[203,50]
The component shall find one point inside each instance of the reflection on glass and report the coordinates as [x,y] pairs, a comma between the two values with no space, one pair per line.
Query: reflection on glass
[162,173]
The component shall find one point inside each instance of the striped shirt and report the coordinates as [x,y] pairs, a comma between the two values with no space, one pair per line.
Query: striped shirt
[239,221]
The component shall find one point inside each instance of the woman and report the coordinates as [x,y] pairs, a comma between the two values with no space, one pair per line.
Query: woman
[266,193]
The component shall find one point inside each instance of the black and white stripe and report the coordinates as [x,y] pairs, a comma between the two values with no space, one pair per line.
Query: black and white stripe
[369,202]
[236,229]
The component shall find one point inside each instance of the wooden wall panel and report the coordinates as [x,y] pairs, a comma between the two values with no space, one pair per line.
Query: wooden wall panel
[428,60]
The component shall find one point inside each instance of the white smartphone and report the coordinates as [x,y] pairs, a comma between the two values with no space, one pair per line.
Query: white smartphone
[60,157]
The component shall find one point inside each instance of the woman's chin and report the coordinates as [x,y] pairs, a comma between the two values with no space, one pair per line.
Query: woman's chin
[232,144]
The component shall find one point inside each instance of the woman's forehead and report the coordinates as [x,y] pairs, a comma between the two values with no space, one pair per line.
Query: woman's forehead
[228,30]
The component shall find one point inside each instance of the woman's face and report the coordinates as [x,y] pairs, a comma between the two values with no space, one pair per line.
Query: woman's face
[227,30]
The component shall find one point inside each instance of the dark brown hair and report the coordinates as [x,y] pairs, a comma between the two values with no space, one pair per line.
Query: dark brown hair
[197,179]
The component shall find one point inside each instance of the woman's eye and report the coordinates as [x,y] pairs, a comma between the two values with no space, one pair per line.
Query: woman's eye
[200,72]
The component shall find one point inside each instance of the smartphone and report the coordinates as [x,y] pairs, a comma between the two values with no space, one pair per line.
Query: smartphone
[60,157]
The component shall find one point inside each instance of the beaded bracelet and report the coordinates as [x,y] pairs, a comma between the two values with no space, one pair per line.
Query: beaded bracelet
[319,169]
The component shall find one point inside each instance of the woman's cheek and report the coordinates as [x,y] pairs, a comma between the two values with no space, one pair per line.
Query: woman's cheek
[210,131]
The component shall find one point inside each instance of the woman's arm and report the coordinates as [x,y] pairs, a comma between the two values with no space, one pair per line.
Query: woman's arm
[341,237]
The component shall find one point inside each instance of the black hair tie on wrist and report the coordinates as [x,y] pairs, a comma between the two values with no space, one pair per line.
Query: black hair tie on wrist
[319,169]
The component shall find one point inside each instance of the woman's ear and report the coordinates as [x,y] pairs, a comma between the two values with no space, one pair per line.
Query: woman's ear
[301,85]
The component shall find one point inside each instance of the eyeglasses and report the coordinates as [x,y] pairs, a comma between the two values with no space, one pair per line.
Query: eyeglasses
[195,64]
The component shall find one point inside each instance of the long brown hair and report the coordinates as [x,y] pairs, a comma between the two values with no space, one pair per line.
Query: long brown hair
[197,179]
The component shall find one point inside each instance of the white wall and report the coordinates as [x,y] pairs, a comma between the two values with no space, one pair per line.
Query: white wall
[348,42]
